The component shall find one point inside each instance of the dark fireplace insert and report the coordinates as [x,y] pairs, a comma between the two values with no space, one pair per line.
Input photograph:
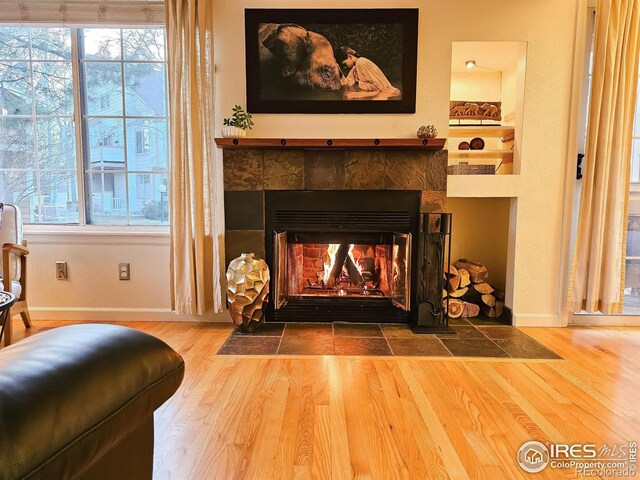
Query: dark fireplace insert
[342,255]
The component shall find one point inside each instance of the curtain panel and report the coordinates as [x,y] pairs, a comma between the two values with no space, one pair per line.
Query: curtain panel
[195,267]
[83,12]
[599,257]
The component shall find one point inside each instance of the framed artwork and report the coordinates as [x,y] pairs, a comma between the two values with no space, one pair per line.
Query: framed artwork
[331,60]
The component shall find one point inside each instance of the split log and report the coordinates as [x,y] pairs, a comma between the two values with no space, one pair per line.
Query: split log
[454,283]
[499,308]
[458,293]
[474,296]
[477,272]
[471,310]
[465,279]
[444,293]
[483,288]
[456,308]
[450,269]
[489,300]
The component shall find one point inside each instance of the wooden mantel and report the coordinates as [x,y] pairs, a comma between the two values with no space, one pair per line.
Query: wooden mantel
[335,143]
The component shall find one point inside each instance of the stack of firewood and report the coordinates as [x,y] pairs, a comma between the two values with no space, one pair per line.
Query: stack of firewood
[469,293]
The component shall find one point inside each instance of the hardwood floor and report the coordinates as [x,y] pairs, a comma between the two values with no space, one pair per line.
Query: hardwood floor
[388,417]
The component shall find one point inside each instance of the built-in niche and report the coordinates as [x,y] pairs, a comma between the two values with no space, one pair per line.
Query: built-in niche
[486,107]
[481,235]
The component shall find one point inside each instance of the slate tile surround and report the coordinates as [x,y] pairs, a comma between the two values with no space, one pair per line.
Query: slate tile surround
[249,172]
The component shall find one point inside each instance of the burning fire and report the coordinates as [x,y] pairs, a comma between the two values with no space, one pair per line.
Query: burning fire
[330,262]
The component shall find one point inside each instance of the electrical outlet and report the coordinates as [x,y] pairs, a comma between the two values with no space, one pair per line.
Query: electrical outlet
[61,271]
[124,271]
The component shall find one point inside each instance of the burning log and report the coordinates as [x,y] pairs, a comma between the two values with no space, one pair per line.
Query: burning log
[342,259]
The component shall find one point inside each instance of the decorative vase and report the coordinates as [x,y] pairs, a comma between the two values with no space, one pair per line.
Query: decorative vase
[247,291]
[233,132]
[427,131]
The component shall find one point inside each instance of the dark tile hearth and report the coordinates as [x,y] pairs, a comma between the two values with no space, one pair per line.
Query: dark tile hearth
[371,339]
[254,345]
[473,347]
[361,346]
[357,330]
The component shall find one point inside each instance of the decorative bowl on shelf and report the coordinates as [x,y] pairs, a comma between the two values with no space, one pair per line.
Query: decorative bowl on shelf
[476,143]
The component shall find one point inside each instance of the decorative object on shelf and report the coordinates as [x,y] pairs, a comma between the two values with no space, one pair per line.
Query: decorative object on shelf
[476,144]
[466,169]
[464,146]
[464,110]
[238,124]
[247,291]
[434,253]
[331,60]
[428,131]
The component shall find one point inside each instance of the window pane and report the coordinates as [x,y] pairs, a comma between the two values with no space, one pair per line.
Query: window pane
[53,86]
[106,143]
[50,44]
[14,43]
[58,202]
[15,88]
[144,44]
[103,88]
[108,198]
[145,89]
[16,143]
[19,187]
[148,199]
[101,43]
[147,145]
[56,143]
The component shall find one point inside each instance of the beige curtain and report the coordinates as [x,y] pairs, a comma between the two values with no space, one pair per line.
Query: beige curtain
[598,268]
[194,236]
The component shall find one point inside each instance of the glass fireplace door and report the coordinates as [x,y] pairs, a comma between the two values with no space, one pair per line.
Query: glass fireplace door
[401,268]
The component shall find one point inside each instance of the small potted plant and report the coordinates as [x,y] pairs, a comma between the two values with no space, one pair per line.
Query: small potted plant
[238,124]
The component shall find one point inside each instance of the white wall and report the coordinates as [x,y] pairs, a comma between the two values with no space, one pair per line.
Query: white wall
[476,86]
[547,26]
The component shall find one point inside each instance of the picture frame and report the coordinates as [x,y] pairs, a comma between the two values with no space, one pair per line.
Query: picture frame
[331,60]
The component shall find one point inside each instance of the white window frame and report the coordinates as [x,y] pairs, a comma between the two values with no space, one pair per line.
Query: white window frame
[44,228]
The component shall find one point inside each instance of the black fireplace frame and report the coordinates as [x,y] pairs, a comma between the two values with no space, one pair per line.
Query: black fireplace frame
[343,213]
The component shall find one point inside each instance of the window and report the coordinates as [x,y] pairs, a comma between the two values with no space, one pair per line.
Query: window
[142,141]
[63,162]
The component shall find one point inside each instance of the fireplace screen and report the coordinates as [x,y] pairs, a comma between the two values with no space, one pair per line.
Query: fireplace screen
[309,265]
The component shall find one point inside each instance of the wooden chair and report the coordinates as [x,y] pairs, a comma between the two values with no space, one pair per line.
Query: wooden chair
[14,266]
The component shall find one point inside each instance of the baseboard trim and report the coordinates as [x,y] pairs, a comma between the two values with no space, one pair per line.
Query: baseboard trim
[532,320]
[605,320]
[107,314]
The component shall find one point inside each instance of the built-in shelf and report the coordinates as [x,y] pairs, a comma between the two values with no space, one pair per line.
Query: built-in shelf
[480,131]
[507,155]
[335,143]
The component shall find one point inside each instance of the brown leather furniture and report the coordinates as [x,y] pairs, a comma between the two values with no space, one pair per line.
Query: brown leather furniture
[77,402]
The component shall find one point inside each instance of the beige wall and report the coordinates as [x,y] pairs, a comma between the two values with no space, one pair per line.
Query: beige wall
[547,26]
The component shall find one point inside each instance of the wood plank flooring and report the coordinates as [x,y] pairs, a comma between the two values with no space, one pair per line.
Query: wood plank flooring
[330,417]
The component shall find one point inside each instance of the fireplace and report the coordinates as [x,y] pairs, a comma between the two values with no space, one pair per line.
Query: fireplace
[342,255]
